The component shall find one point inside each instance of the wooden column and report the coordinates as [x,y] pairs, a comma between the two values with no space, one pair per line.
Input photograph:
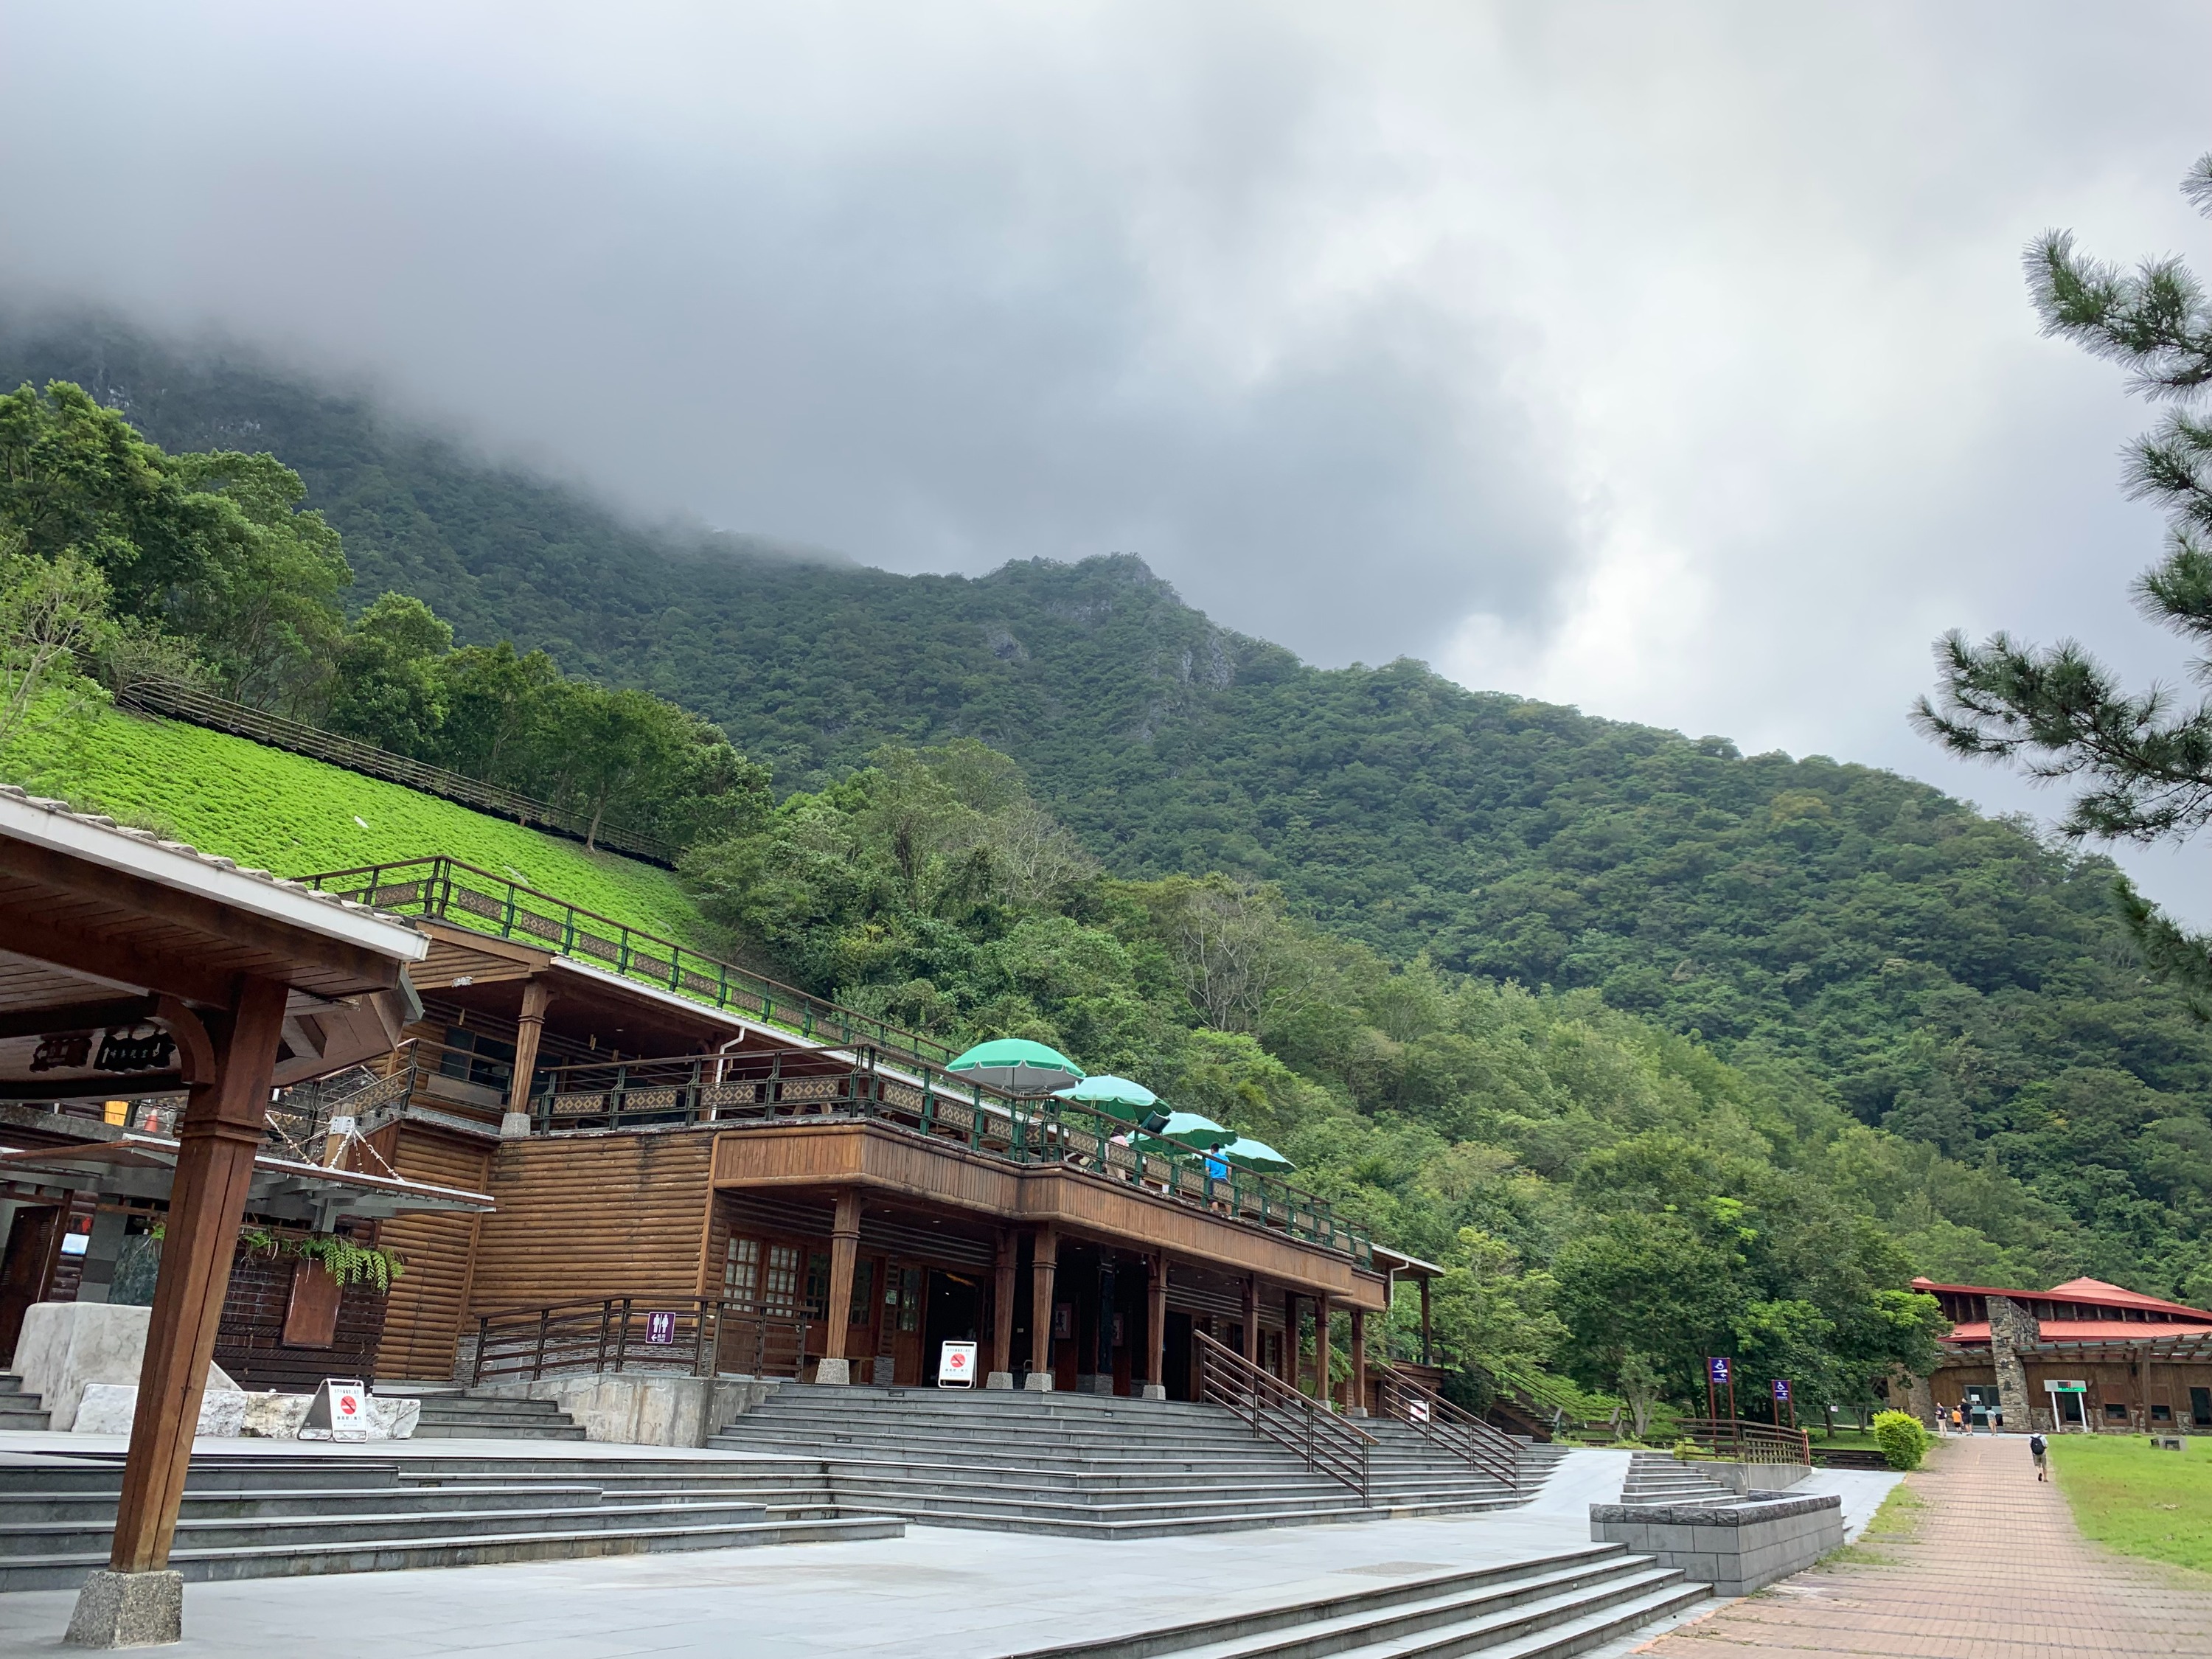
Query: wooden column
[1359,1362]
[1042,1262]
[1156,1328]
[1425,1360]
[1002,1316]
[1252,1318]
[844,1255]
[1290,1369]
[228,1072]
[1323,1387]
[529,1027]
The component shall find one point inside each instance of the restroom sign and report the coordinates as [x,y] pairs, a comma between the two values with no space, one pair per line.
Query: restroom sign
[661,1328]
[956,1365]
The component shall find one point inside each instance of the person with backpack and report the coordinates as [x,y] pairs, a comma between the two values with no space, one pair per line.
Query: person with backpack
[2036,1448]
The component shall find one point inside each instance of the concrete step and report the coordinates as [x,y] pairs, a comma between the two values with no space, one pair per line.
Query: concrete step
[1539,1609]
[493,1417]
[20,1409]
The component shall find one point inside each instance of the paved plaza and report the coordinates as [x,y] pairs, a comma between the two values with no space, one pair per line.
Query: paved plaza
[934,1592]
[1993,1569]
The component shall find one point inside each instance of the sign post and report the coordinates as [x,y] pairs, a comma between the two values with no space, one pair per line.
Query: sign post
[956,1365]
[339,1411]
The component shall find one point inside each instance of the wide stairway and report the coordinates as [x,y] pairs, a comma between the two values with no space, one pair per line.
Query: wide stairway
[19,1410]
[1661,1478]
[458,1416]
[1545,1608]
[248,1516]
[1086,1465]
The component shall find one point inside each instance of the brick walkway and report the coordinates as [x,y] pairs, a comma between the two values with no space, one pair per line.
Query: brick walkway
[1993,1569]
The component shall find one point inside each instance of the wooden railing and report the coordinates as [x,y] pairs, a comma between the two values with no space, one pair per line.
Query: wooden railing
[199,708]
[1461,1433]
[703,1337]
[1748,1442]
[1329,1444]
[776,1086]
[446,890]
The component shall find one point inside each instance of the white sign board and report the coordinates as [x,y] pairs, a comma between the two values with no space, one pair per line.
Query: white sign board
[956,1365]
[1417,1411]
[2067,1388]
[339,1411]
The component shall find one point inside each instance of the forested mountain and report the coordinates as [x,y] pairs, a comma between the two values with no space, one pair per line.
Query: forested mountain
[1947,975]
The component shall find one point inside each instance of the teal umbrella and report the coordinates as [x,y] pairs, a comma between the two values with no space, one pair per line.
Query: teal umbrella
[1018,1066]
[1192,1132]
[1250,1154]
[1117,1096]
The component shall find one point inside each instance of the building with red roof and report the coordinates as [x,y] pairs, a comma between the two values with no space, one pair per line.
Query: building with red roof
[2084,1355]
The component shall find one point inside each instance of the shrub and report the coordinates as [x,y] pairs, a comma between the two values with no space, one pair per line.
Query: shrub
[1903,1439]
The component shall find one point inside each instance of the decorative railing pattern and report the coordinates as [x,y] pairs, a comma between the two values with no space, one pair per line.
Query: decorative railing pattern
[1748,1442]
[1329,1444]
[702,1337]
[199,708]
[785,1084]
[446,890]
[1461,1433]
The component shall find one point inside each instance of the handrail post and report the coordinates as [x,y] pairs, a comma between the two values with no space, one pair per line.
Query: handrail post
[537,1366]
[622,1337]
[483,1335]
[606,1308]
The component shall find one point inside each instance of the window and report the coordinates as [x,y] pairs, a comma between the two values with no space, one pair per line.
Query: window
[2161,1414]
[779,1288]
[863,1282]
[2115,1412]
[909,1298]
[475,1058]
[741,1271]
[818,1285]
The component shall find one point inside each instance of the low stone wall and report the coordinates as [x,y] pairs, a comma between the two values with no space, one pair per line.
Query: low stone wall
[1748,1478]
[639,1408]
[1735,1548]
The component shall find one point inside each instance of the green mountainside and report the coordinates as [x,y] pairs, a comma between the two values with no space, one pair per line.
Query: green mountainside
[1947,975]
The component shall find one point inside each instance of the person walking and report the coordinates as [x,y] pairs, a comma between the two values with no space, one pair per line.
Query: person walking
[2036,1448]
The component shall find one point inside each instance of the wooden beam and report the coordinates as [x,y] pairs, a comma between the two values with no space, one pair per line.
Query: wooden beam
[224,1119]
[529,1027]
[119,963]
[76,1016]
[1252,1319]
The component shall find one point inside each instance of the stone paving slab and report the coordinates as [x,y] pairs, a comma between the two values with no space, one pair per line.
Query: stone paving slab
[1995,1569]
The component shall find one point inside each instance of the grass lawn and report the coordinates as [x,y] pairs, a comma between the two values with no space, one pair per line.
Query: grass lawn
[1896,1521]
[283,812]
[2139,1501]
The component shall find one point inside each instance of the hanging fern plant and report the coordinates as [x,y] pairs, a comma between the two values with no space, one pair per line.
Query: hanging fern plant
[344,1260]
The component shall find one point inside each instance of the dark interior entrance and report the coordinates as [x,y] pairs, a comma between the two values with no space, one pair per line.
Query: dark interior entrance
[2200,1407]
[33,1238]
[1176,1360]
[956,1315]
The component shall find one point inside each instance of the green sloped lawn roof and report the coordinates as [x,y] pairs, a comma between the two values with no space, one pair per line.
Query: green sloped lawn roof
[296,816]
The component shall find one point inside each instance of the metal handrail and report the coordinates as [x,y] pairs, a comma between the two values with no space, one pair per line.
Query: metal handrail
[704,1337]
[766,1087]
[1459,1432]
[1748,1443]
[1278,1411]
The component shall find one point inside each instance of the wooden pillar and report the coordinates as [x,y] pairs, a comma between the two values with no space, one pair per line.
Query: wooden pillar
[1359,1362]
[1425,1360]
[1252,1318]
[844,1255]
[529,1027]
[1044,1259]
[228,1072]
[1323,1388]
[1290,1367]
[1156,1328]
[1002,1316]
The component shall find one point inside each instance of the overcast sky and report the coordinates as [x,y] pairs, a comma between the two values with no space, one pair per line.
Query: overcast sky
[1669,361]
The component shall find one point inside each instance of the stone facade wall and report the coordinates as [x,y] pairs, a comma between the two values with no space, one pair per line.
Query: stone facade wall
[1736,1548]
[2012,1327]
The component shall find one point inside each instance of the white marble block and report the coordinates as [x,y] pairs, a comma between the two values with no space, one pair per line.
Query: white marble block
[108,1407]
[67,1347]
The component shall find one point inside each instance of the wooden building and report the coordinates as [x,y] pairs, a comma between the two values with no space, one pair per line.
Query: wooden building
[2084,1355]
[663,1132]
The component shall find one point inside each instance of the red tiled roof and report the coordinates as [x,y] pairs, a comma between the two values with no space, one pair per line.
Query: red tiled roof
[1976,1332]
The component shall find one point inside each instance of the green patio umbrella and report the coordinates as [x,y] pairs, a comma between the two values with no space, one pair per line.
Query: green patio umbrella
[1018,1066]
[1249,1154]
[1117,1096]
[1191,1132]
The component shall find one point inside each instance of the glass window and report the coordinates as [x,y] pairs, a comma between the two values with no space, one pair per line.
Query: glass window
[779,1288]
[910,1299]
[864,1283]
[818,1285]
[741,1271]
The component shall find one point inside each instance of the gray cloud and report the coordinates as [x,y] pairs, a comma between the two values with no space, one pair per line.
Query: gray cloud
[1673,361]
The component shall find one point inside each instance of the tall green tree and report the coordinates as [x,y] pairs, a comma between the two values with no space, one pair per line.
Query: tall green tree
[387,688]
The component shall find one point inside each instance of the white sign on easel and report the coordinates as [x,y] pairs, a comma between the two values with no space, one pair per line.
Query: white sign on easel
[339,1411]
[956,1367]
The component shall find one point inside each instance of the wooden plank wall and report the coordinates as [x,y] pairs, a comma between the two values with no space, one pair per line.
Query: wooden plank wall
[249,1342]
[425,1309]
[584,1217]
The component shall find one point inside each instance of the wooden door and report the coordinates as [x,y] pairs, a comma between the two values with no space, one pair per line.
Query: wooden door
[904,1300]
[34,1240]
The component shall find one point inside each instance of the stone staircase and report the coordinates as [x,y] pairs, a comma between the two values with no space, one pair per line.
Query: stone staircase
[19,1410]
[249,1516]
[1545,1608]
[458,1416]
[1660,1478]
[1084,1465]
